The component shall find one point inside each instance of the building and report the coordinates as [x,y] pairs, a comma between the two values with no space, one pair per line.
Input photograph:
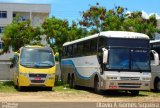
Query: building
[157,35]
[35,12]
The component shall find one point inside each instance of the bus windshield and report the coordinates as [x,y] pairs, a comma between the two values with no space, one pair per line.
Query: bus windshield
[128,59]
[140,60]
[36,57]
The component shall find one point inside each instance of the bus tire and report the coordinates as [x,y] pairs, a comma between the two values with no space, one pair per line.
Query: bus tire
[157,85]
[134,92]
[68,79]
[16,86]
[49,88]
[72,82]
[20,88]
[96,85]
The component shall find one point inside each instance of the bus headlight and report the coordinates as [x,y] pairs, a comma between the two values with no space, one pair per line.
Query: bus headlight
[146,79]
[51,75]
[112,78]
[23,74]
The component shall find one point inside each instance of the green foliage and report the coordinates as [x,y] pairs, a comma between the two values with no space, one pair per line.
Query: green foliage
[20,33]
[136,23]
[57,29]
[61,32]
[93,18]
[98,18]
[7,86]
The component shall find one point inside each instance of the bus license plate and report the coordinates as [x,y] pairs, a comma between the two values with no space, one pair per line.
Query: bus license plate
[37,78]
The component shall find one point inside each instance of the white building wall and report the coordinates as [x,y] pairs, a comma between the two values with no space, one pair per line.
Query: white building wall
[8,20]
[35,12]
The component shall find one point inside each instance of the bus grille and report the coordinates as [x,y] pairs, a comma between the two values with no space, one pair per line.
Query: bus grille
[129,85]
[130,78]
[38,75]
[37,81]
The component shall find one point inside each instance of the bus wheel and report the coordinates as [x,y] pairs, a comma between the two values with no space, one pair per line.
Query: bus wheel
[72,82]
[20,88]
[96,85]
[68,79]
[49,88]
[16,86]
[134,92]
[157,85]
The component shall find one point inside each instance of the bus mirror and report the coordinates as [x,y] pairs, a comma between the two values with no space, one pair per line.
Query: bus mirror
[156,57]
[105,55]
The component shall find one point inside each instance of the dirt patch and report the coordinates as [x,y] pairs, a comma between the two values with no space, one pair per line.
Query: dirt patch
[84,96]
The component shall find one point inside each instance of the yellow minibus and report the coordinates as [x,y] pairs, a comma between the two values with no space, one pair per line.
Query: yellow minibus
[34,66]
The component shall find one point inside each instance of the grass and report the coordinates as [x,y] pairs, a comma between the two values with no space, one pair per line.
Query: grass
[7,86]
[154,94]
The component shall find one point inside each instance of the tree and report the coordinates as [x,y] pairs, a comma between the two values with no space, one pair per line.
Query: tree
[20,33]
[136,23]
[76,32]
[114,19]
[60,31]
[93,18]
[56,29]
[98,18]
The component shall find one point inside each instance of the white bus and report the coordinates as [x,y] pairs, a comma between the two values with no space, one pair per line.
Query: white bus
[155,68]
[111,60]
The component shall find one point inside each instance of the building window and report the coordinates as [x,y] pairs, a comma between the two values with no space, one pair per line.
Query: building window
[22,18]
[1,45]
[1,29]
[3,14]
[14,15]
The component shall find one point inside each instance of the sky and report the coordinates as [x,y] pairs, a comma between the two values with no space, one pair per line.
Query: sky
[70,9]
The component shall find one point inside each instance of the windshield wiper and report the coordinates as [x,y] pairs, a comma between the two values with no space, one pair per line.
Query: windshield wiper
[44,64]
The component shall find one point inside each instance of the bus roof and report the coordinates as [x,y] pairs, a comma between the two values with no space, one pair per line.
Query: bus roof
[113,34]
[155,41]
[35,46]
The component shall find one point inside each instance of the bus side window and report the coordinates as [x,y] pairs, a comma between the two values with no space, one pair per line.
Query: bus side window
[67,51]
[86,45]
[70,50]
[80,49]
[63,52]
[93,48]
[74,50]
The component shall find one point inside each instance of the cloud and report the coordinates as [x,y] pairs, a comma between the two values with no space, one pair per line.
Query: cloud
[146,16]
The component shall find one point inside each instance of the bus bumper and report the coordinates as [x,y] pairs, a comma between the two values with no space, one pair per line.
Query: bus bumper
[124,85]
[26,81]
